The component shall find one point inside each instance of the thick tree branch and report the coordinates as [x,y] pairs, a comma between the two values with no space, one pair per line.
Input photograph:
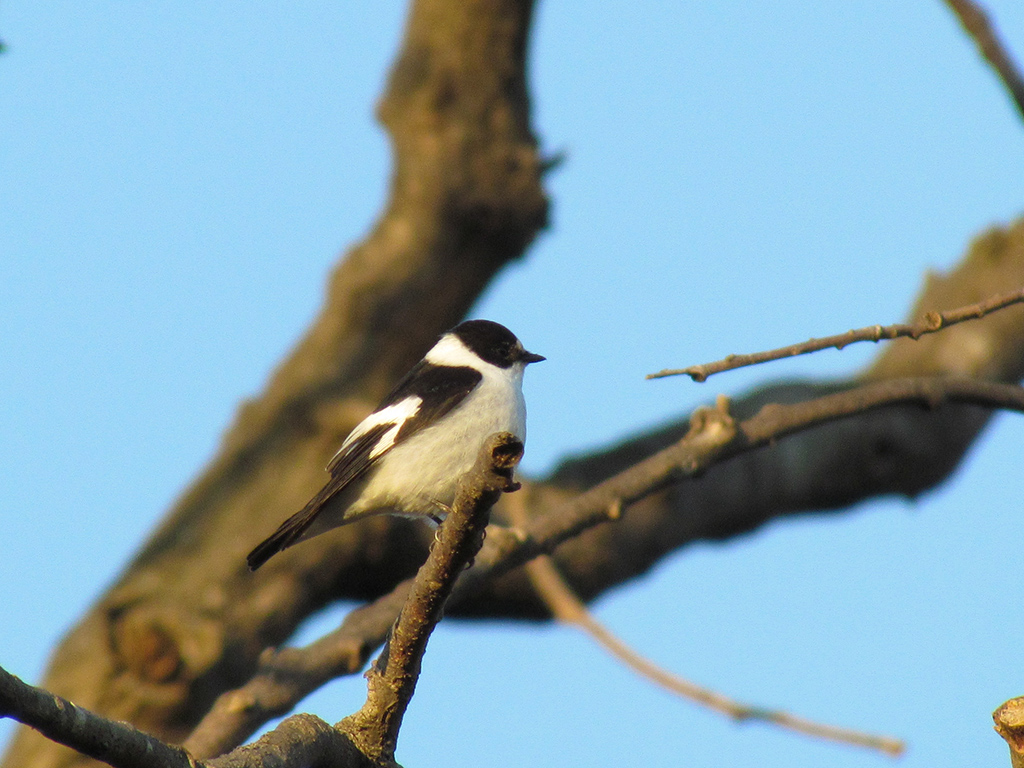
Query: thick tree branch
[302,740]
[184,622]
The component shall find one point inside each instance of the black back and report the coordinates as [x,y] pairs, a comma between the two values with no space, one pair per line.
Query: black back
[440,387]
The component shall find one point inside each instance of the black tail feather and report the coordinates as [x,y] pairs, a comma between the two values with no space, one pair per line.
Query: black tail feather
[289,533]
[295,528]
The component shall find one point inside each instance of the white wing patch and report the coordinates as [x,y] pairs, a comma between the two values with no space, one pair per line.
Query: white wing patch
[395,414]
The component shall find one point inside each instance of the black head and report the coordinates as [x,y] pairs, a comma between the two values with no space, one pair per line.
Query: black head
[493,343]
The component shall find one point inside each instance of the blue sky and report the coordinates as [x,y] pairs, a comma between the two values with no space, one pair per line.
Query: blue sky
[176,182]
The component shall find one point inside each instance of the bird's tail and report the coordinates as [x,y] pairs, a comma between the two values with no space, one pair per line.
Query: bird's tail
[289,533]
[282,538]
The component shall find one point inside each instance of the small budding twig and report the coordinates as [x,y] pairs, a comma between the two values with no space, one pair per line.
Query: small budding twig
[392,678]
[930,323]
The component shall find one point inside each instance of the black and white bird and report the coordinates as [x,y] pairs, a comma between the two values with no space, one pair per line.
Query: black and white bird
[408,455]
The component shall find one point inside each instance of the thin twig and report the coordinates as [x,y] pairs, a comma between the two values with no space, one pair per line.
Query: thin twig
[392,678]
[930,323]
[976,23]
[568,608]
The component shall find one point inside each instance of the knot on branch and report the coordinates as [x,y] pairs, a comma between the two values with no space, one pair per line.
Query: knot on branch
[503,452]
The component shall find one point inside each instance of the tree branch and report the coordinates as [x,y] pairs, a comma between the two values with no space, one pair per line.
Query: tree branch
[569,609]
[302,740]
[184,622]
[118,744]
[977,25]
[932,322]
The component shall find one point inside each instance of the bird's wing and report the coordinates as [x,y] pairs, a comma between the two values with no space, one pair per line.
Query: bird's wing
[427,393]
[402,413]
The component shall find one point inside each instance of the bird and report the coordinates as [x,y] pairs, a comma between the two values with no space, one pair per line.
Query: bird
[408,456]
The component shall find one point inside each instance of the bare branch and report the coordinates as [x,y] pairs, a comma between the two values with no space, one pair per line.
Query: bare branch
[118,744]
[932,322]
[569,609]
[976,23]
[392,678]
[301,741]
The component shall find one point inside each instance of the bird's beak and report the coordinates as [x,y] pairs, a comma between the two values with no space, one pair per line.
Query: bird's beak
[530,357]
